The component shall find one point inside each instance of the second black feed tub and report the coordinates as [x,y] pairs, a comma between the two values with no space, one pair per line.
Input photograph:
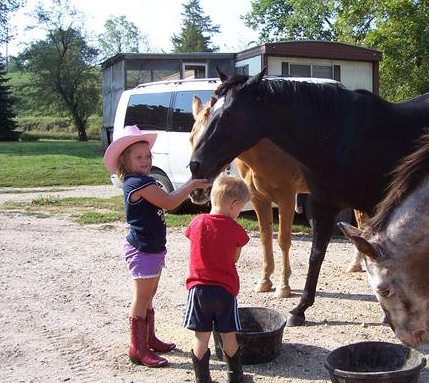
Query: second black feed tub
[261,335]
[374,362]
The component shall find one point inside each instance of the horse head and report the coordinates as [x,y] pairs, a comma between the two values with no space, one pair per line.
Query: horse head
[231,127]
[201,114]
[398,274]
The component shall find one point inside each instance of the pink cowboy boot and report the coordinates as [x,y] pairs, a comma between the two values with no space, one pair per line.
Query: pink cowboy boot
[139,351]
[152,341]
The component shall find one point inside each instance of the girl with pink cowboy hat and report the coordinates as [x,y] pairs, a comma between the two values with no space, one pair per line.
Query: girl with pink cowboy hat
[144,248]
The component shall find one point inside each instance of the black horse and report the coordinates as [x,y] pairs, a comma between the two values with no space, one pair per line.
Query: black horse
[347,142]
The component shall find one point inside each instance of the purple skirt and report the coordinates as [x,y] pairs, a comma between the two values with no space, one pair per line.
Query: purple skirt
[143,265]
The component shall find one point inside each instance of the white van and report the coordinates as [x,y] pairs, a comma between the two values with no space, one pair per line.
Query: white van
[165,107]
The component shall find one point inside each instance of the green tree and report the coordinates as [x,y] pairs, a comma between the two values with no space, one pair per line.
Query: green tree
[121,35]
[277,20]
[63,66]
[7,7]
[398,28]
[7,116]
[7,122]
[197,30]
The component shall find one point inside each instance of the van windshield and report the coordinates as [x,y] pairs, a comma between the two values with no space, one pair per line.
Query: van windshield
[148,111]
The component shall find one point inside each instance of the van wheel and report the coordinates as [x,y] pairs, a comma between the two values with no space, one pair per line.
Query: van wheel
[163,180]
[166,185]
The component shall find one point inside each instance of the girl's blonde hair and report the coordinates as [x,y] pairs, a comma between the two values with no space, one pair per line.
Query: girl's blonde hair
[124,167]
[228,188]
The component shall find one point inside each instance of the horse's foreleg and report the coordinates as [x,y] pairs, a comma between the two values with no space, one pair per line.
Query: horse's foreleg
[286,213]
[264,212]
[355,264]
[324,218]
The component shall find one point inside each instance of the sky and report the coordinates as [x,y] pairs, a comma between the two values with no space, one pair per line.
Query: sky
[158,19]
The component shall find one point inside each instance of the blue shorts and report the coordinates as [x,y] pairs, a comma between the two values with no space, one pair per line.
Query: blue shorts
[211,308]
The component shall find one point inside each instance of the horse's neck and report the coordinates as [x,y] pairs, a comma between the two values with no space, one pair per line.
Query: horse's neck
[302,140]
[409,224]
[314,134]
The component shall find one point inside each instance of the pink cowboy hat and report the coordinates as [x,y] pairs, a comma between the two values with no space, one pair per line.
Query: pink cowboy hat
[128,136]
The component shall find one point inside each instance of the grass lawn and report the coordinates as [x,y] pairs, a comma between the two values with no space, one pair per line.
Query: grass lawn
[52,163]
[105,210]
[68,163]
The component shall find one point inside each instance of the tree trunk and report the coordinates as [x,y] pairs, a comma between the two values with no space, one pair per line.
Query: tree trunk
[82,133]
[80,126]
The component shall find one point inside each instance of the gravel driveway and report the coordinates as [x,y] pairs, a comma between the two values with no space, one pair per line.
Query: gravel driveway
[64,296]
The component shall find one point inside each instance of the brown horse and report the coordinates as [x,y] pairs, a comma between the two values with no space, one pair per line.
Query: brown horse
[256,166]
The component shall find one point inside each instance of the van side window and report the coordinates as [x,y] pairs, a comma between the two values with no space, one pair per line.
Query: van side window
[182,119]
[148,111]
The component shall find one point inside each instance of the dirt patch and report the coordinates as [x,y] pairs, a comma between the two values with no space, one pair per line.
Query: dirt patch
[64,296]
[28,194]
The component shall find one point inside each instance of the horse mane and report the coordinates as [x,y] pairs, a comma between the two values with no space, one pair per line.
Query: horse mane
[407,176]
[230,82]
[320,96]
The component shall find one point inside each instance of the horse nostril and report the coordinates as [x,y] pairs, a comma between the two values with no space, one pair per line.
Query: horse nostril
[193,165]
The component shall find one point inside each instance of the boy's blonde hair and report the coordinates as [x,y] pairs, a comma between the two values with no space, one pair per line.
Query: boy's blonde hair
[227,189]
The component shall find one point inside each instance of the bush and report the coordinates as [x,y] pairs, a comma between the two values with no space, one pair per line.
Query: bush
[95,122]
[36,135]
[26,136]
[34,128]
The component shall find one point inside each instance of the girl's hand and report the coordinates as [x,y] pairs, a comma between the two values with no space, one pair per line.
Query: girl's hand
[169,201]
[201,183]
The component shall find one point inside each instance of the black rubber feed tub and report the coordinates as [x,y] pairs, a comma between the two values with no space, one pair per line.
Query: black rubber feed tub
[261,335]
[374,362]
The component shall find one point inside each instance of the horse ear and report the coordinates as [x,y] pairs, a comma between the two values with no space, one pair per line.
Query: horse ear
[197,106]
[349,230]
[213,101]
[363,246]
[221,75]
[255,80]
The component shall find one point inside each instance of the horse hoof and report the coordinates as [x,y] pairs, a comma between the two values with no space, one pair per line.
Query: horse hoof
[283,292]
[294,320]
[264,287]
[354,269]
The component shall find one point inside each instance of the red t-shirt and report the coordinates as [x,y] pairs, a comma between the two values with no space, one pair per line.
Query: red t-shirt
[214,240]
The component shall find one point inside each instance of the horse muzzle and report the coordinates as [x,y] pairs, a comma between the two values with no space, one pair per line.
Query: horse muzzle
[413,338]
[194,166]
[206,169]
[200,196]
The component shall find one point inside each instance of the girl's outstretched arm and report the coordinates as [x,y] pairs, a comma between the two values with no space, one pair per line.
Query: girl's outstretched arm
[169,201]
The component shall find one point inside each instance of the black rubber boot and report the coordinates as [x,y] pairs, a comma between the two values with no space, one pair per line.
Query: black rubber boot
[201,367]
[235,370]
